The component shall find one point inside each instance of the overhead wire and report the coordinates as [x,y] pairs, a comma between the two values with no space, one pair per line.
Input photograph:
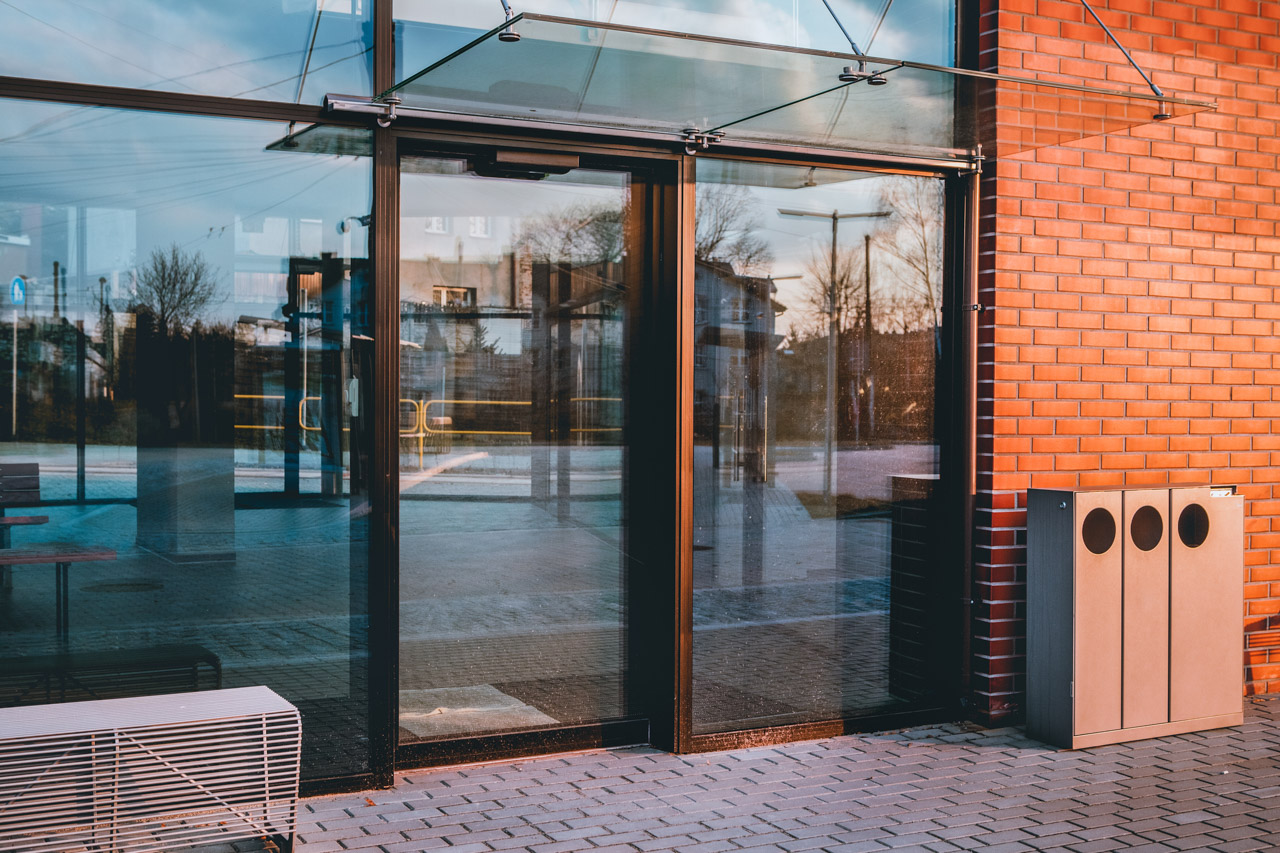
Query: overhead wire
[74,37]
[123,23]
[875,31]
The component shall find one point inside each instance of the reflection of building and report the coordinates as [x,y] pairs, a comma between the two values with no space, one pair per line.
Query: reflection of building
[735,350]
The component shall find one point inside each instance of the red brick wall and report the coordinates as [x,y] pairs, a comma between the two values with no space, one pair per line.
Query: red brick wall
[1134,280]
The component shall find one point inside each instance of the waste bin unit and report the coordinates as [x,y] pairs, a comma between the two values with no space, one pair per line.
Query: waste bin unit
[1134,613]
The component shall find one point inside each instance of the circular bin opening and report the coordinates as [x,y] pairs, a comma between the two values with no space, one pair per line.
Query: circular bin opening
[1146,528]
[1193,526]
[1098,530]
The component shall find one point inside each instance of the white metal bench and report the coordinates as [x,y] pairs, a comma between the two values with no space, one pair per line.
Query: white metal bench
[150,774]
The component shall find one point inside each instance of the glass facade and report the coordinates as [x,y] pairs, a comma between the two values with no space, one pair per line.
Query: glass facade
[475,540]
[817,338]
[289,50]
[516,301]
[183,305]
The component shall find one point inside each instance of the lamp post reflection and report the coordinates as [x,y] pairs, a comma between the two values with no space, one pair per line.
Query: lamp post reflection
[829,426]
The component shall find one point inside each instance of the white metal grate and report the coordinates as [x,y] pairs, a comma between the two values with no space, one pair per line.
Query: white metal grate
[149,774]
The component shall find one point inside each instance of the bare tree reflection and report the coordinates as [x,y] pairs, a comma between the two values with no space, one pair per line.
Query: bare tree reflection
[914,242]
[726,222]
[582,234]
[816,292]
[175,287]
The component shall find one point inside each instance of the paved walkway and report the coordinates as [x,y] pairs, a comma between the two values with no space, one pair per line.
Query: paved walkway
[941,788]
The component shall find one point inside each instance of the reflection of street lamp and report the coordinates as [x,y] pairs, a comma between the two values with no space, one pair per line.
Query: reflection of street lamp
[830,426]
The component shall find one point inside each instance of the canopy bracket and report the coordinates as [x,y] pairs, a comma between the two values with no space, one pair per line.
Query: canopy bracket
[509,33]
[696,140]
[389,115]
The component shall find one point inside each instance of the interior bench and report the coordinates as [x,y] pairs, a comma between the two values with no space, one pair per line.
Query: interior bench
[108,674]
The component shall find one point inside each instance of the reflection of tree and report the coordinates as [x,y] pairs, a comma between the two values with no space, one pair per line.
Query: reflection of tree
[480,342]
[174,287]
[914,242]
[725,219]
[906,261]
[816,290]
[582,234]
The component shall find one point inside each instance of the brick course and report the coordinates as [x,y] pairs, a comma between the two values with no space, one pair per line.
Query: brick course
[1134,280]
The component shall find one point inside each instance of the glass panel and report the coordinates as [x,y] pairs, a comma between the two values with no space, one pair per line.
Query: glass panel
[920,108]
[595,75]
[1018,115]
[912,112]
[816,455]
[568,71]
[180,357]
[516,298]
[923,30]
[287,50]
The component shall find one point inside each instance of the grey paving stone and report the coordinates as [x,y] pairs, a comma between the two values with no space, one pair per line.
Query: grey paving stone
[938,789]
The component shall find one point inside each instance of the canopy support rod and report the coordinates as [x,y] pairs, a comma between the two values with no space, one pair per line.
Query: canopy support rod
[1116,42]
[853,44]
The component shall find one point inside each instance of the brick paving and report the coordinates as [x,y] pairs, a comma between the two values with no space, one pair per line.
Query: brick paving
[939,788]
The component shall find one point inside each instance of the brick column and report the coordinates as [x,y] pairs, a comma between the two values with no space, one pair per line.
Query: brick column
[1134,279]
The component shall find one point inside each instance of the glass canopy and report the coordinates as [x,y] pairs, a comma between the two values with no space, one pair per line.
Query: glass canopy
[590,74]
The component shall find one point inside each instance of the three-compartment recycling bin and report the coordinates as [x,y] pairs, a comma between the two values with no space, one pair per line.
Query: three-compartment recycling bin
[1135,604]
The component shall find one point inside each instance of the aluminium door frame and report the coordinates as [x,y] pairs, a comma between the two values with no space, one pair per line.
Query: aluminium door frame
[955,431]
[670,195]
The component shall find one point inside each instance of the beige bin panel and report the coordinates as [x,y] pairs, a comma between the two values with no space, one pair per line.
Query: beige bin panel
[1098,591]
[1205,605]
[1146,607]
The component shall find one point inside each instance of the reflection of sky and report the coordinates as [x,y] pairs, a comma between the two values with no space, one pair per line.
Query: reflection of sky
[796,242]
[912,29]
[243,48]
[146,181]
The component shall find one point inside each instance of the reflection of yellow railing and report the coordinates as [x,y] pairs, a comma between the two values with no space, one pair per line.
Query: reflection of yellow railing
[258,397]
[302,412]
[421,429]
[595,400]
[431,403]
[512,403]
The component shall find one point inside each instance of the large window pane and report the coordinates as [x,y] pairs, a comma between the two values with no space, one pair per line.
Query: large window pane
[921,30]
[283,50]
[816,455]
[183,363]
[516,299]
